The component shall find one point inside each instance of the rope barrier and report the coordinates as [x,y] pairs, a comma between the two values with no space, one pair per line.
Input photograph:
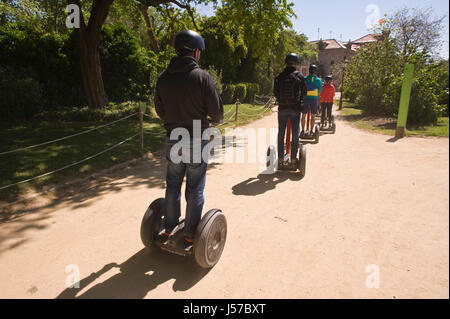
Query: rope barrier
[70,165]
[67,137]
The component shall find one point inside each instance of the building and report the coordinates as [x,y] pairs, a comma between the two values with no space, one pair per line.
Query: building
[332,51]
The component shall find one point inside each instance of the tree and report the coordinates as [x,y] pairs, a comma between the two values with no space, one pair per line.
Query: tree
[89,51]
[414,30]
[291,42]
[167,6]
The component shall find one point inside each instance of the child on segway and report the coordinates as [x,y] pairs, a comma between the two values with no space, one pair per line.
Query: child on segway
[326,102]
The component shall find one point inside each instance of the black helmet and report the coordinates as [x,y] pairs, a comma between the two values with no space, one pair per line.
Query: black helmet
[313,69]
[189,40]
[328,78]
[292,58]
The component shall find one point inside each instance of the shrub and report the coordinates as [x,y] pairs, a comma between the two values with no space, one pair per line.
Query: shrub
[377,90]
[217,76]
[126,67]
[21,95]
[228,93]
[252,89]
[46,68]
[241,92]
[46,58]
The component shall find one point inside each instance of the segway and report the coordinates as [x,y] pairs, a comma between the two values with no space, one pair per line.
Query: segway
[209,239]
[287,164]
[311,133]
[332,128]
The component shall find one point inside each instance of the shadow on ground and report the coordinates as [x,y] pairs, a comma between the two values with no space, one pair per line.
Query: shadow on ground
[34,214]
[264,183]
[138,276]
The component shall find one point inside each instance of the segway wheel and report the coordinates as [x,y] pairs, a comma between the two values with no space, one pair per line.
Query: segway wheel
[316,134]
[152,222]
[333,128]
[210,239]
[271,156]
[302,160]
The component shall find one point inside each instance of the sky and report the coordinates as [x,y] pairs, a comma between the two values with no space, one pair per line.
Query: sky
[347,19]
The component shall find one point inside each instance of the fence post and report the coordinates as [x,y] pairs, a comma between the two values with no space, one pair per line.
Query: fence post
[404,101]
[141,130]
[237,110]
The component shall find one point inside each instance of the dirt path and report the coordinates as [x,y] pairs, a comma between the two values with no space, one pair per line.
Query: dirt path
[365,201]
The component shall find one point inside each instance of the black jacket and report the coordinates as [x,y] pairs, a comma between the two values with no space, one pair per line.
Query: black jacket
[184,93]
[300,87]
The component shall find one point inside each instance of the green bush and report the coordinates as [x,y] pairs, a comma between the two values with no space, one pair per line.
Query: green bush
[377,90]
[228,93]
[21,95]
[49,59]
[252,89]
[217,76]
[46,68]
[126,67]
[349,94]
[241,92]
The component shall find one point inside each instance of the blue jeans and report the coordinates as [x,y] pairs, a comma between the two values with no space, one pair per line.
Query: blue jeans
[195,185]
[283,117]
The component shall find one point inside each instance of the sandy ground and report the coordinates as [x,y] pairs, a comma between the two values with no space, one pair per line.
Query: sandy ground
[365,200]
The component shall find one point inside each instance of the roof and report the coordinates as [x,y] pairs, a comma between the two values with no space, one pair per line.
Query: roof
[331,44]
[373,37]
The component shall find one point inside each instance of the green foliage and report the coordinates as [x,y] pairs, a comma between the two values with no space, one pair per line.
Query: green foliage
[224,51]
[228,93]
[48,60]
[291,42]
[127,68]
[259,22]
[217,76]
[20,93]
[241,92]
[252,89]
[369,84]
[377,90]
[43,71]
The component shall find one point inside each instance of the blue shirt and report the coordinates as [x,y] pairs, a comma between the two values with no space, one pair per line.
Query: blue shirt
[313,87]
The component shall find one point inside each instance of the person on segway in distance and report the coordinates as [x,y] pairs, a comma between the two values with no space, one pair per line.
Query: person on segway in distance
[326,101]
[314,88]
[289,90]
[184,94]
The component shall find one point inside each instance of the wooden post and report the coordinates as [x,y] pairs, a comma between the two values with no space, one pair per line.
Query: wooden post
[141,131]
[237,110]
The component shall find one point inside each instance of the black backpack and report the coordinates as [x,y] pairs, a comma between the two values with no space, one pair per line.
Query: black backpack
[289,89]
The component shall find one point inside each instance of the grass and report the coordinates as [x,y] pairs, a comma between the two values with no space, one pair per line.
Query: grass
[27,164]
[247,113]
[387,125]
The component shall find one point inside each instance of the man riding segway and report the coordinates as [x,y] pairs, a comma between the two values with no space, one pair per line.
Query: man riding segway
[186,94]
[289,89]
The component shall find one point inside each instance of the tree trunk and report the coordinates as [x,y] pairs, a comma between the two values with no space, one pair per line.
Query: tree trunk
[91,71]
[89,51]
[150,31]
